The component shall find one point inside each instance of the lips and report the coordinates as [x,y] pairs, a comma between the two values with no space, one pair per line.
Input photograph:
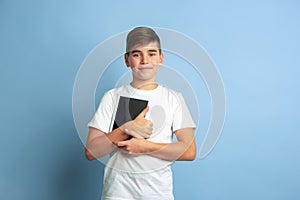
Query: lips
[141,68]
[145,67]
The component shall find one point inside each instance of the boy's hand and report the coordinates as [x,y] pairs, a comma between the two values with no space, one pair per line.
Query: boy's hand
[139,127]
[134,146]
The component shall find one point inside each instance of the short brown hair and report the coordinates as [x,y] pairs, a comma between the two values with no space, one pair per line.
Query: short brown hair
[141,36]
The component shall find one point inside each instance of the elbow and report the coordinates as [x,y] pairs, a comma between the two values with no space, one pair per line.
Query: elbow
[191,152]
[88,155]
[191,156]
[188,156]
[90,158]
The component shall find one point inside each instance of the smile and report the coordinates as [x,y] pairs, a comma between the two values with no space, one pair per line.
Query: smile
[143,68]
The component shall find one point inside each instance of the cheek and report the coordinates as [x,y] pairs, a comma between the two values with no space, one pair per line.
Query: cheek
[156,61]
[134,63]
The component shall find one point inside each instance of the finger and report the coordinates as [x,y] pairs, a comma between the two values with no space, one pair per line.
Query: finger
[147,132]
[139,136]
[143,136]
[122,144]
[150,123]
[143,113]
[133,134]
[127,131]
[149,129]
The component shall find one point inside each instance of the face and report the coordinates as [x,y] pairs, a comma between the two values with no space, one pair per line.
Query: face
[144,62]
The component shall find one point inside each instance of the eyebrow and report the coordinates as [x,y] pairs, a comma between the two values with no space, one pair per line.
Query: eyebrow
[139,51]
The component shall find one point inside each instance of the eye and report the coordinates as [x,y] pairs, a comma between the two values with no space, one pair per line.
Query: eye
[136,55]
[152,54]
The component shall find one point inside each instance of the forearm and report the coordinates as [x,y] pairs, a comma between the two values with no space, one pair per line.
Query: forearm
[172,151]
[184,149]
[117,135]
[102,144]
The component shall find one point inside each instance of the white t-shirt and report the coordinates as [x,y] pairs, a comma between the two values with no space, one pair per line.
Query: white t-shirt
[142,177]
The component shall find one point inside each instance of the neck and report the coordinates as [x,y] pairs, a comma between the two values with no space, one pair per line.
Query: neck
[144,85]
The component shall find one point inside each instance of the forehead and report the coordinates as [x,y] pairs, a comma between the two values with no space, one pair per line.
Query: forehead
[149,46]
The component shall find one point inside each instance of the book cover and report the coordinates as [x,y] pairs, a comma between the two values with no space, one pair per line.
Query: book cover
[128,109]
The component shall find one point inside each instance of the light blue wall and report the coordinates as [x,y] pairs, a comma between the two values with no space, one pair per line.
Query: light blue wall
[255,45]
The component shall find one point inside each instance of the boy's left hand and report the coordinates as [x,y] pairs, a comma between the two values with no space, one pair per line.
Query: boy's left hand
[134,146]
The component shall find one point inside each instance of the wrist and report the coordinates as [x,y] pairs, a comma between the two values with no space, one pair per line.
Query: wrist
[149,147]
[123,128]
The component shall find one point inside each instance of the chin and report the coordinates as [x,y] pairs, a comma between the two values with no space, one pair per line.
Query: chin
[146,77]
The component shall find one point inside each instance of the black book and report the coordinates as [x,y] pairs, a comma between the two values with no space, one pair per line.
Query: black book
[128,109]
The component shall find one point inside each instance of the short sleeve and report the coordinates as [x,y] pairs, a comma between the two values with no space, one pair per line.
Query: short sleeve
[103,115]
[181,117]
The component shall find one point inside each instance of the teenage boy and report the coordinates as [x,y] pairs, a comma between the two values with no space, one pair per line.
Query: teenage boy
[142,150]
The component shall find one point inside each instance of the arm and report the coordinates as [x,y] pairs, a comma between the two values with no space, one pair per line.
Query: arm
[100,144]
[183,149]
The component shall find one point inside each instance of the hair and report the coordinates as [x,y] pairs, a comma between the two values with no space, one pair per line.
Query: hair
[141,36]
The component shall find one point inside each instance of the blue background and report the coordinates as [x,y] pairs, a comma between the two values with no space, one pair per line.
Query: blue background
[255,45]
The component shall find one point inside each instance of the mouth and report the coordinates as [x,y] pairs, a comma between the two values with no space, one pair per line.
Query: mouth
[145,68]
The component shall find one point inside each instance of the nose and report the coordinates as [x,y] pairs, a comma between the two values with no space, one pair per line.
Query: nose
[145,59]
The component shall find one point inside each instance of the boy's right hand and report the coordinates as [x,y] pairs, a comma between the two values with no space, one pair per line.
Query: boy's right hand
[139,127]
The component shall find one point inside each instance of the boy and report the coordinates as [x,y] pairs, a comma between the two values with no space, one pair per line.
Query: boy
[142,149]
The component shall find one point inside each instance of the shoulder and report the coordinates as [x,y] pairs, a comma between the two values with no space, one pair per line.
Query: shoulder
[110,97]
[170,92]
[117,90]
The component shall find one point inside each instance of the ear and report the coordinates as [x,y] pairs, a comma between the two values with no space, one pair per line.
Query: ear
[161,59]
[126,58]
